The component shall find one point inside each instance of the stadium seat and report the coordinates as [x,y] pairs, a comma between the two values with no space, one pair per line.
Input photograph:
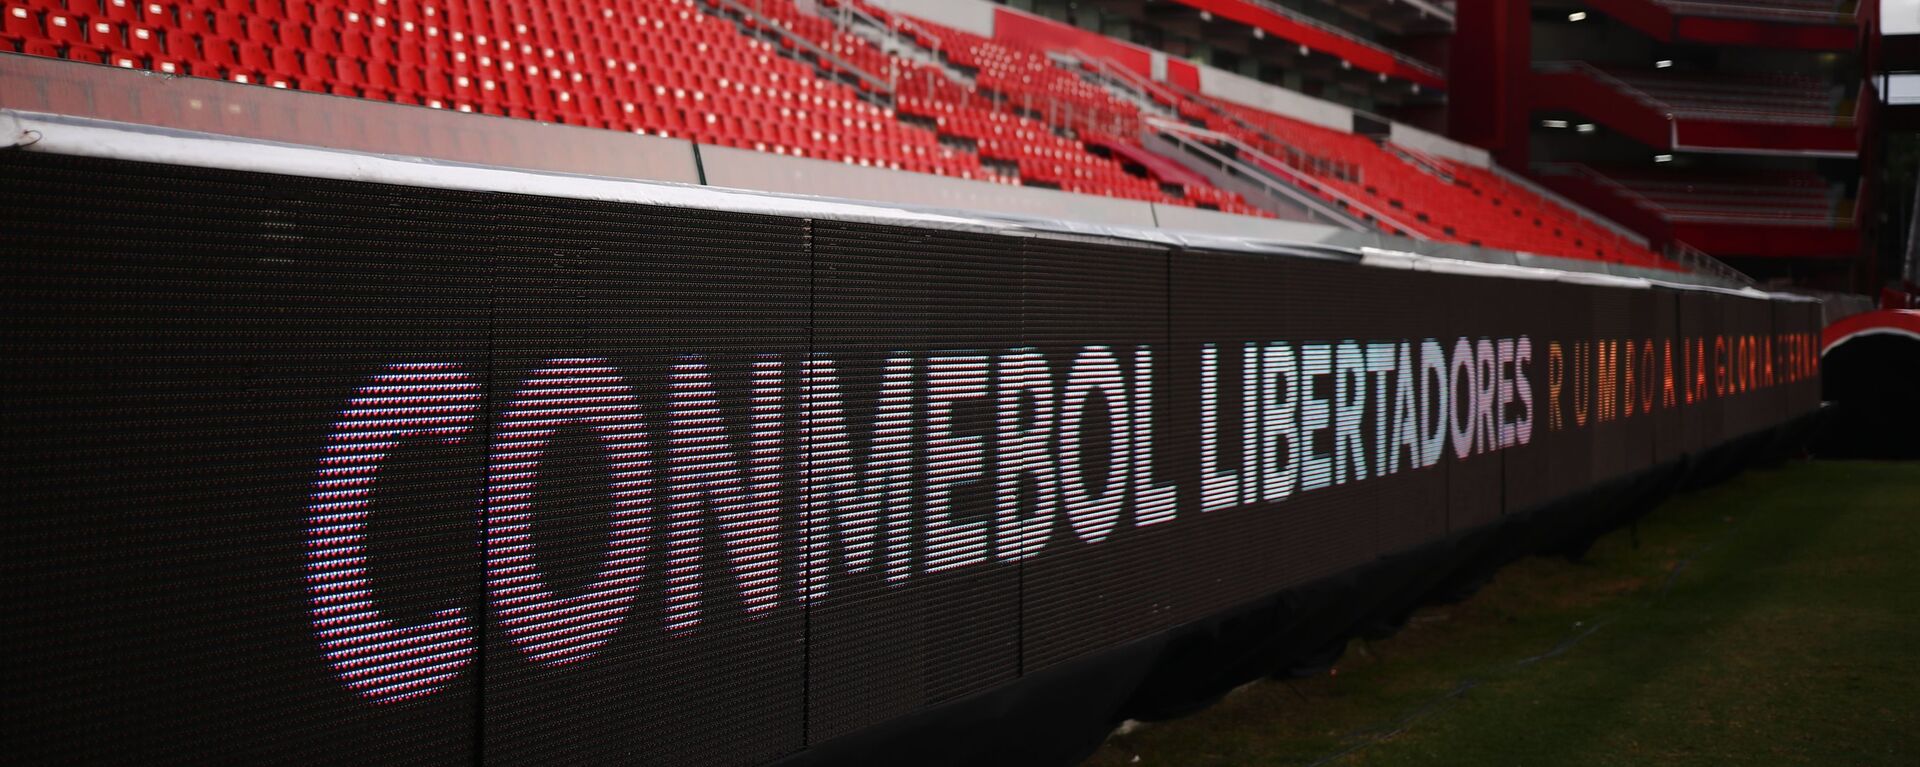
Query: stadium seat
[983,109]
[1771,98]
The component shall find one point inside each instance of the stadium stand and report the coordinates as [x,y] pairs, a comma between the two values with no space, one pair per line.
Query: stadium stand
[1782,98]
[1774,196]
[661,67]
[1431,198]
[1438,198]
[1730,210]
[1800,10]
[771,77]
[1738,129]
[817,475]
[1015,107]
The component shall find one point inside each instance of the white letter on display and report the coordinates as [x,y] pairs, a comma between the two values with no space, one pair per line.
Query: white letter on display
[1219,488]
[1094,515]
[1436,407]
[382,661]
[953,459]
[1152,503]
[1279,378]
[549,627]
[1462,426]
[708,480]
[1523,354]
[1349,408]
[1025,447]
[1406,415]
[1316,468]
[1503,395]
[1250,423]
[1380,357]
[1487,365]
[856,503]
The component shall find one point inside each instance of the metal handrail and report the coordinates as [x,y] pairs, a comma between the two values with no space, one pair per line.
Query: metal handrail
[1605,78]
[1561,200]
[1671,111]
[1317,210]
[1149,90]
[1421,161]
[849,9]
[1443,11]
[801,41]
[1701,262]
[1279,167]
[894,21]
[1245,124]
[1643,201]
[1742,11]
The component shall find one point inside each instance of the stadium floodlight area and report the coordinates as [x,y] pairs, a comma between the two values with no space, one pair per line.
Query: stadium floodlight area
[328,456]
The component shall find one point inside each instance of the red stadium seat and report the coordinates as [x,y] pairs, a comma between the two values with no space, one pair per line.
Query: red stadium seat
[18,25]
[679,68]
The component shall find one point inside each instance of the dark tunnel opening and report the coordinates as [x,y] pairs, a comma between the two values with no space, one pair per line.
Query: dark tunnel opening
[1873,384]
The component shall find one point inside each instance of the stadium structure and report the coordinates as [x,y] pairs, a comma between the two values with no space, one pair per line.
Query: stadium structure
[883,381]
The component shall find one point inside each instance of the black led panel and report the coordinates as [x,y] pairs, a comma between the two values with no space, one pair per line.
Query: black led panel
[911,601]
[1796,327]
[1276,358]
[1090,498]
[318,471]
[1701,321]
[1555,458]
[1227,310]
[1623,321]
[1751,386]
[644,537]
[1669,439]
[1478,319]
[194,364]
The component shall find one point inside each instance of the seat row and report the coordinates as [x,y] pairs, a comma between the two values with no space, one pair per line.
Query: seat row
[1684,193]
[1022,109]
[1445,200]
[663,67]
[1825,11]
[1772,98]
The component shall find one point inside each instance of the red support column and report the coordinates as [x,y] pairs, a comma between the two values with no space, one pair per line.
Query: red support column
[1491,63]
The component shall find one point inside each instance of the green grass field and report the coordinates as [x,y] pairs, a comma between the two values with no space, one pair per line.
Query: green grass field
[1774,619]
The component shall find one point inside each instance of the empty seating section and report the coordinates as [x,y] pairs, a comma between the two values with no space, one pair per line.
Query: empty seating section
[845,46]
[652,66]
[1815,11]
[663,67]
[1031,82]
[1412,193]
[1018,112]
[1522,205]
[1745,98]
[1693,195]
[1029,146]
[718,74]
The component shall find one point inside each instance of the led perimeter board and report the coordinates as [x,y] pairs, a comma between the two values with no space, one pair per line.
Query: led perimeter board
[302,469]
